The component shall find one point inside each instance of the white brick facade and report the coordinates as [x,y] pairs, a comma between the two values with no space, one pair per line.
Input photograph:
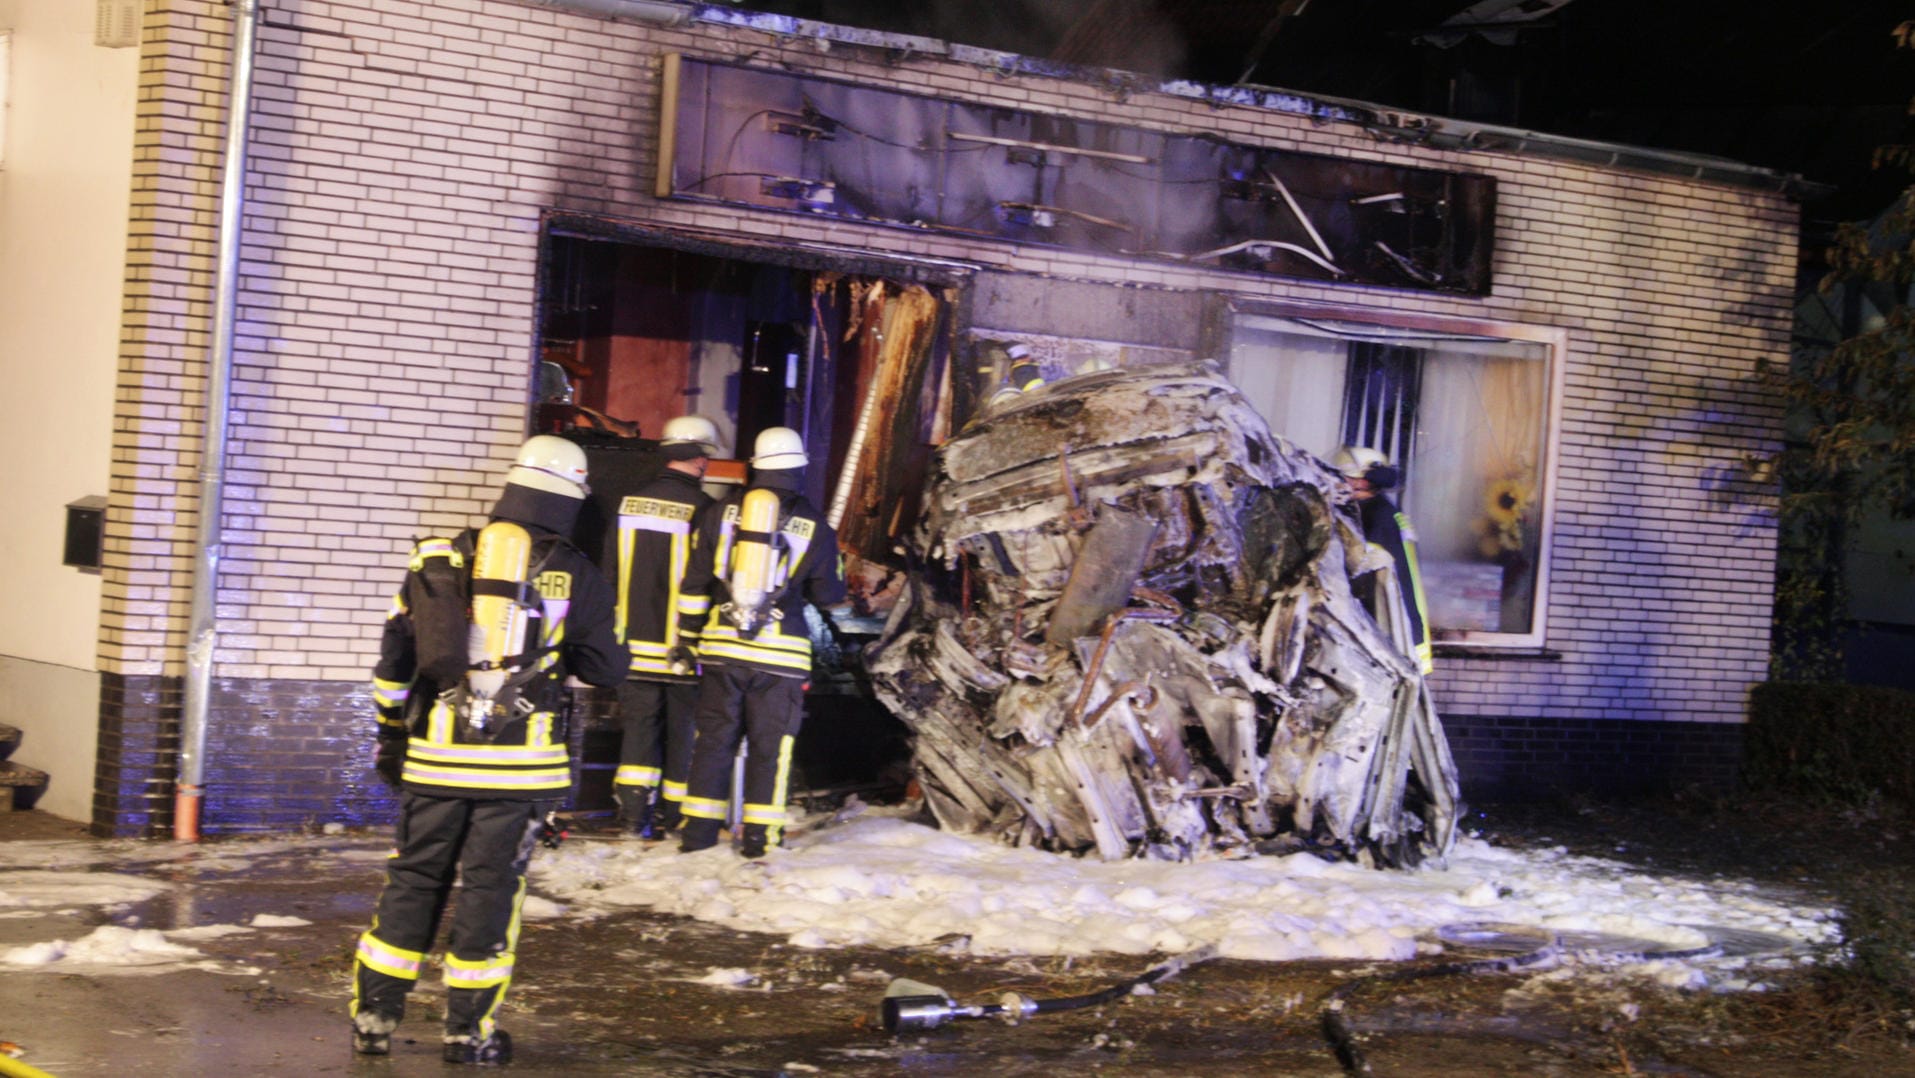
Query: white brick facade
[402,156]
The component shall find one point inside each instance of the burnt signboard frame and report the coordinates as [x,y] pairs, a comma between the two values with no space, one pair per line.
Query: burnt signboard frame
[788,142]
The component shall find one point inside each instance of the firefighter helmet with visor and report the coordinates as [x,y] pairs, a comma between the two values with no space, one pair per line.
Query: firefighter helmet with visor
[691,436]
[778,448]
[550,463]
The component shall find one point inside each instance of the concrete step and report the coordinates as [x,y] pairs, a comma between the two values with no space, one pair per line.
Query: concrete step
[20,785]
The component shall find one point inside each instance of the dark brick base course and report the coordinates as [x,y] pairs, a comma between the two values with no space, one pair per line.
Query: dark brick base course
[284,755]
[281,755]
[137,756]
[1526,759]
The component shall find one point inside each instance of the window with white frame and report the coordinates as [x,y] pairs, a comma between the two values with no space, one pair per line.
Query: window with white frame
[1462,409]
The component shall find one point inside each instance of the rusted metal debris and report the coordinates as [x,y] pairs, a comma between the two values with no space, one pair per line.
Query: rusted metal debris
[1131,629]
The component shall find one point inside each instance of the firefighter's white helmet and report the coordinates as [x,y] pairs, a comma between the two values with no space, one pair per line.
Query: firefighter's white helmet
[778,448]
[688,432]
[1353,461]
[550,463]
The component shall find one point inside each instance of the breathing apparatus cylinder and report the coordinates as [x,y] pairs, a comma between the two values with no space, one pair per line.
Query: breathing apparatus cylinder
[754,561]
[500,564]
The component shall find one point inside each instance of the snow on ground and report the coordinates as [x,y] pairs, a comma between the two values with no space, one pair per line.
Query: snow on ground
[32,893]
[72,878]
[882,881]
[227,855]
[877,879]
[116,949]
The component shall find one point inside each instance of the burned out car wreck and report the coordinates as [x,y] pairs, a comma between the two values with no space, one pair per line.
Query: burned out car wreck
[1133,629]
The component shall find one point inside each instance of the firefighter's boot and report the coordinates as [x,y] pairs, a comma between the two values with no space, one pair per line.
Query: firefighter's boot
[372,1033]
[642,824]
[495,1050]
[667,817]
[700,834]
[635,811]
[752,842]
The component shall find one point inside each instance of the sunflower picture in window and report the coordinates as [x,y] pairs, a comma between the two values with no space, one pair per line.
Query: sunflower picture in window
[1506,505]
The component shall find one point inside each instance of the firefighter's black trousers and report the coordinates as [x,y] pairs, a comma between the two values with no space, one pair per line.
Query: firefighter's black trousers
[487,843]
[767,709]
[659,719]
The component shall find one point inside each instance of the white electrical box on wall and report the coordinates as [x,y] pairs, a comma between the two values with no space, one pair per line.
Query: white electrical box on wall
[116,23]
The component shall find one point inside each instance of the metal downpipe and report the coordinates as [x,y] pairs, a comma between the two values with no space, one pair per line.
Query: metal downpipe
[203,630]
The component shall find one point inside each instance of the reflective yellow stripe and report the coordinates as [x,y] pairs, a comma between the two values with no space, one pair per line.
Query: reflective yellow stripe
[625,538]
[439,723]
[704,808]
[672,791]
[650,658]
[787,652]
[637,775]
[769,638]
[483,974]
[780,789]
[392,961]
[681,553]
[435,548]
[490,755]
[765,814]
[389,694]
[488,1022]
[472,779]
[1416,590]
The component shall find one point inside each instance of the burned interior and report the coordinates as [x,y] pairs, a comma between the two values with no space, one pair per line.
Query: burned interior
[637,328]
[782,141]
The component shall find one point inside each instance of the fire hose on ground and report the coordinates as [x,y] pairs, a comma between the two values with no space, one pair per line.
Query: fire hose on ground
[911,1006]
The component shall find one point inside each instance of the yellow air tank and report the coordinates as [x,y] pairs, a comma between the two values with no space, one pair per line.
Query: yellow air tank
[754,561]
[499,567]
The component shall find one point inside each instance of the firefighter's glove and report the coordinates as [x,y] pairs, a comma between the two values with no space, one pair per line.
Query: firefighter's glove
[389,759]
[681,661]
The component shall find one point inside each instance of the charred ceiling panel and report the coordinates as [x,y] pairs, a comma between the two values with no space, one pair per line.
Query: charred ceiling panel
[776,140]
[1155,317]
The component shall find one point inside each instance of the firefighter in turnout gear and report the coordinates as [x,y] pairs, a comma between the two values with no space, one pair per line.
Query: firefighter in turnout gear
[1367,473]
[656,702]
[760,555]
[469,689]
[1024,376]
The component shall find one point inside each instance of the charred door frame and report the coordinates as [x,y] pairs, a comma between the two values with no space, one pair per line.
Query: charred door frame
[1217,335]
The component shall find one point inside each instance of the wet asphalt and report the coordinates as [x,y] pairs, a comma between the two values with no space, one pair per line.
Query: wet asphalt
[624,995]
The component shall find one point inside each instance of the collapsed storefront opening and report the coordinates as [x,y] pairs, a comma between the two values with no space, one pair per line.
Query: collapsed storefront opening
[853,353]
[1251,700]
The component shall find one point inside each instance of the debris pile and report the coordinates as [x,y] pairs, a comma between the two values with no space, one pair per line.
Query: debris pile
[1131,628]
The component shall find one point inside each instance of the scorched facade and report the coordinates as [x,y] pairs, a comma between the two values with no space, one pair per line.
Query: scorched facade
[470,219]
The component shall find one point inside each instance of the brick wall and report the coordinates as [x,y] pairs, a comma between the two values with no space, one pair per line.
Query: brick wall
[1523,758]
[403,154]
[138,753]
